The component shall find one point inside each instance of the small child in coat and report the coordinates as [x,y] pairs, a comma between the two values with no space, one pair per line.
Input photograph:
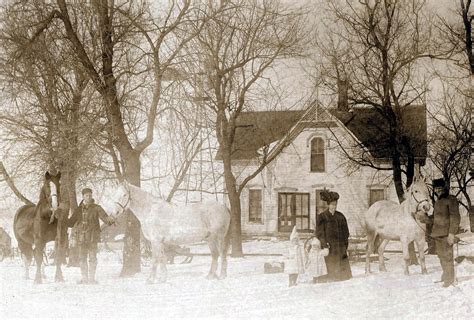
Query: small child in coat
[316,265]
[294,264]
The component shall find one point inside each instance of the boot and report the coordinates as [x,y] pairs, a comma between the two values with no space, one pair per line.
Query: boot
[84,274]
[292,279]
[92,274]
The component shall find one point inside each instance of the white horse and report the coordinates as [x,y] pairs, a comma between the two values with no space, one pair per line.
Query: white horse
[387,220]
[164,223]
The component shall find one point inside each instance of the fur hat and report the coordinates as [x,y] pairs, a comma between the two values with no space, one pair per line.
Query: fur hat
[329,196]
[86,190]
[439,183]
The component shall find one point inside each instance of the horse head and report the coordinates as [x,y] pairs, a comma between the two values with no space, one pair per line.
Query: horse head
[418,197]
[50,192]
[121,198]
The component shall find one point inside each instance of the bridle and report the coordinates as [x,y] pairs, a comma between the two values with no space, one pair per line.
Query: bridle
[124,207]
[48,196]
[414,214]
[416,200]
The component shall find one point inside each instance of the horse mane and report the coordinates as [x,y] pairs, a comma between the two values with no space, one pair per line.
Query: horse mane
[146,197]
[143,192]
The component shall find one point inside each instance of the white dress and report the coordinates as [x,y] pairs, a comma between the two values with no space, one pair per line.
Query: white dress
[316,266]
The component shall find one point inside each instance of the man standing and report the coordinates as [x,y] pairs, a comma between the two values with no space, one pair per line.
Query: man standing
[86,220]
[445,227]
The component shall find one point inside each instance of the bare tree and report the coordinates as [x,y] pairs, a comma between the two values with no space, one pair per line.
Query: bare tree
[11,184]
[451,142]
[458,37]
[118,27]
[44,100]
[238,46]
[371,51]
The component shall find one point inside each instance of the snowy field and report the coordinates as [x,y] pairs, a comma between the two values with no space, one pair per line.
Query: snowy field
[247,293]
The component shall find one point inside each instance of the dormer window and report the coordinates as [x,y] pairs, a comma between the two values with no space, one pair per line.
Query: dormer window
[317,155]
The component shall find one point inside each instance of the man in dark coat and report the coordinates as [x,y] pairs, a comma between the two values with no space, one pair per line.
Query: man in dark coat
[333,233]
[445,227]
[86,220]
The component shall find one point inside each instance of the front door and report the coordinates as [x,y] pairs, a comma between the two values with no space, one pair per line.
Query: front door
[293,210]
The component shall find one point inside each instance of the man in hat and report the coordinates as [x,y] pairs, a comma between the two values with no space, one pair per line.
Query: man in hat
[86,219]
[445,227]
[333,233]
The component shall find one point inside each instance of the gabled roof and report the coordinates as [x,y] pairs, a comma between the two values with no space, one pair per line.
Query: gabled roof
[372,130]
[258,129]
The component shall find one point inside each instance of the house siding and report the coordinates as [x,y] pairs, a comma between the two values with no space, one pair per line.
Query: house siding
[290,172]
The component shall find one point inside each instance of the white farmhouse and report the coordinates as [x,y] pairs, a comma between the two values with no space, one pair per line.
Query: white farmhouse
[287,191]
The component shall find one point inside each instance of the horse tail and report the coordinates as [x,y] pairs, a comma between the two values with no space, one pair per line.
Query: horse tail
[25,247]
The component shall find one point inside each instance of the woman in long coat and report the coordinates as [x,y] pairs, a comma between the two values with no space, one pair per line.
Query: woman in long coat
[333,233]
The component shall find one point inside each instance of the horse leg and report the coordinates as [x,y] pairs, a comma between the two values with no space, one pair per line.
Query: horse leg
[420,245]
[152,276]
[26,250]
[27,257]
[381,250]
[215,254]
[368,250]
[58,277]
[406,255]
[38,252]
[223,256]
[59,258]
[161,261]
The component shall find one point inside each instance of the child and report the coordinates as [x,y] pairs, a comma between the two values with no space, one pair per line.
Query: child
[316,265]
[294,264]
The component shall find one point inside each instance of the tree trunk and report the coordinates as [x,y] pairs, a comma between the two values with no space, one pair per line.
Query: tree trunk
[397,179]
[235,209]
[69,183]
[471,217]
[131,250]
[67,201]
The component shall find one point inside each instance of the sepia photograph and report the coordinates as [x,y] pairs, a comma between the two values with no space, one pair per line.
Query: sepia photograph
[236,159]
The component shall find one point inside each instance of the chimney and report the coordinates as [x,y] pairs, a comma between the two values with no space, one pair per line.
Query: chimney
[342,97]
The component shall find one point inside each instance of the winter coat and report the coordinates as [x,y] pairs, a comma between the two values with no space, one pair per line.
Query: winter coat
[294,262]
[316,265]
[86,220]
[333,232]
[446,216]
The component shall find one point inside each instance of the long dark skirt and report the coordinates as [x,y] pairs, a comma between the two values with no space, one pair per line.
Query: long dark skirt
[338,266]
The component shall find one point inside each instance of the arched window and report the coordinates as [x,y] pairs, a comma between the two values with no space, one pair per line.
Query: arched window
[317,155]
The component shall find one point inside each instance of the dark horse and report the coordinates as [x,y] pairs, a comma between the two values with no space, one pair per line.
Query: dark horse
[37,225]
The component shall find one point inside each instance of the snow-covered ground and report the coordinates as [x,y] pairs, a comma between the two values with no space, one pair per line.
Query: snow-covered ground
[246,293]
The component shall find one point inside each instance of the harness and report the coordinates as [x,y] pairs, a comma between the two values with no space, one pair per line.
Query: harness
[414,214]
[417,202]
[124,207]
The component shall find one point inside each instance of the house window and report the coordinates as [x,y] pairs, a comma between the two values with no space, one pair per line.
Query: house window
[376,195]
[320,205]
[317,155]
[293,210]
[255,205]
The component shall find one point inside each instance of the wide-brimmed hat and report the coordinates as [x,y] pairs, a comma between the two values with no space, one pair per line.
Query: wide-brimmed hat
[439,183]
[329,196]
[86,190]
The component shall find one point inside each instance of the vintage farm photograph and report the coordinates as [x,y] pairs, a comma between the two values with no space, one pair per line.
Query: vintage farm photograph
[236,159]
